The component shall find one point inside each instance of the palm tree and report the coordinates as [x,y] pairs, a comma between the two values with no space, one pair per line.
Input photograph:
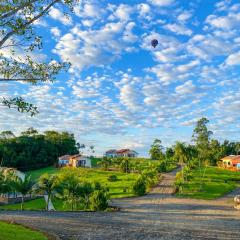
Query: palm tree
[23,186]
[70,189]
[47,184]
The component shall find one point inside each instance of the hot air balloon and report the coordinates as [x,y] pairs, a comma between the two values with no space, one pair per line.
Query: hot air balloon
[154,42]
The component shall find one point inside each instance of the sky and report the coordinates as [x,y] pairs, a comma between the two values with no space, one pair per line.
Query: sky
[120,92]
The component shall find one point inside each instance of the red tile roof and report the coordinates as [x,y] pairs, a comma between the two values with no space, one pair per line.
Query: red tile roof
[233,158]
[123,150]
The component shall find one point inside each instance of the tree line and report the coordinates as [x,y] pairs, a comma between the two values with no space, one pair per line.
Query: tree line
[202,150]
[32,150]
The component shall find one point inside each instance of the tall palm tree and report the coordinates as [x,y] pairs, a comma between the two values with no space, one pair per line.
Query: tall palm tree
[23,186]
[47,184]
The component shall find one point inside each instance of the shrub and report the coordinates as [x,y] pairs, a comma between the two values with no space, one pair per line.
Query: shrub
[140,186]
[151,177]
[125,165]
[162,167]
[178,182]
[99,200]
[112,178]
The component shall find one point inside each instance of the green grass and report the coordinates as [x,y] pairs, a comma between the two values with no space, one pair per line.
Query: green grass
[11,231]
[36,204]
[216,183]
[125,180]
[37,173]
[116,189]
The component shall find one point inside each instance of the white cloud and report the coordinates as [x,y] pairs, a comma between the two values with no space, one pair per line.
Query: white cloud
[178,29]
[184,16]
[59,16]
[186,88]
[123,12]
[130,97]
[161,3]
[233,59]
[56,31]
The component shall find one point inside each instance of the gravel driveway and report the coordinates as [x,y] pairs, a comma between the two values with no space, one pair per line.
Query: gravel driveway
[158,215]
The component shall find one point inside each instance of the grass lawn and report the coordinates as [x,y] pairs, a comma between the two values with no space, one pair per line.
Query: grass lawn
[37,173]
[11,231]
[116,189]
[216,183]
[120,188]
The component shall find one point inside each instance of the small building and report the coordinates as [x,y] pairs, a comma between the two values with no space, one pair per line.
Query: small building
[121,153]
[231,162]
[111,153]
[76,160]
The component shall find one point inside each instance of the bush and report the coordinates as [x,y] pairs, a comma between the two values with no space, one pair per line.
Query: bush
[112,178]
[140,187]
[178,182]
[99,200]
[151,177]
[162,167]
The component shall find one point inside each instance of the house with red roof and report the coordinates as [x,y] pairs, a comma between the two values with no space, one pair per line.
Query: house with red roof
[76,160]
[121,153]
[231,162]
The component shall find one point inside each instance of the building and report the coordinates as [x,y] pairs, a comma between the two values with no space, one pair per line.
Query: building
[121,153]
[76,160]
[231,162]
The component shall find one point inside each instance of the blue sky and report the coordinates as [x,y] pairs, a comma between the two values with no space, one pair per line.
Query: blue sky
[120,91]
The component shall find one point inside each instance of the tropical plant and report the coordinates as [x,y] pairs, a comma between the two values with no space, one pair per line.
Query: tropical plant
[99,199]
[23,186]
[112,178]
[47,184]
[125,165]
[140,186]
[156,151]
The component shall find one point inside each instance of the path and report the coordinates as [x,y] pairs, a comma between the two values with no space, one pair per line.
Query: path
[158,215]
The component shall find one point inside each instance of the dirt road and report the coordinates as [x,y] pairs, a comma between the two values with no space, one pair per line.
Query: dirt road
[158,215]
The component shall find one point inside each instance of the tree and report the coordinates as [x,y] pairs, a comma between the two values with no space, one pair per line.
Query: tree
[201,137]
[33,150]
[23,186]
[169,153]
[125,165]
[156,151]
[105,163]
[17,19]
[6,134]
[29,132]
[47,184]
[70,189]
[216,152]
[180,153]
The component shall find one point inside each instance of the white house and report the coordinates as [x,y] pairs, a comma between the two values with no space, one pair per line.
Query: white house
[121,153]
[76,160]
